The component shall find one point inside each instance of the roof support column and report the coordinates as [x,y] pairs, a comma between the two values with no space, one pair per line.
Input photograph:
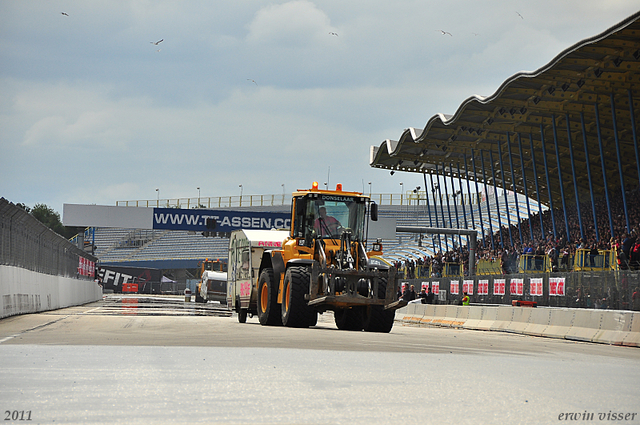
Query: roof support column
[546,172]
[439,189]
[504,189]
[495,195]
[564,204]
[455,205]
[475,175]
[586,154]
[426,194]
[573,171]
[526,190]
[486,192]
[435,204]
[446,195]
[513,185]
[466,172]
[615,136]
[633,132]
[535,178]
[464,209]
[604,169]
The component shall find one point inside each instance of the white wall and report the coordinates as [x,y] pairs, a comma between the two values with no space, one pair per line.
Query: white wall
[24,291]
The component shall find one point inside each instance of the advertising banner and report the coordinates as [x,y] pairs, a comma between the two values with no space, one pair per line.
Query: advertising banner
[425,286]
[499,286]
[435,287]
[556,286]
[535,284]
[225,221]
[116,278]
[455,287]
[483,287]
[467,286]
[516,287]
[86,267]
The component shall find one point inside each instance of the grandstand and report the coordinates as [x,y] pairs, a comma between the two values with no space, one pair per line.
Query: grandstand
[171,249]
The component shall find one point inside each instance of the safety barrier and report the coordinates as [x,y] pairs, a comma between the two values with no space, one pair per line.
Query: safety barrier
[615,327]
[25,291]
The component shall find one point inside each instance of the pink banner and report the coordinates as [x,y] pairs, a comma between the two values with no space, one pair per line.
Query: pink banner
[455,287]
[516,287]
[483,287]
[556,286]
[467,286]
[535,284]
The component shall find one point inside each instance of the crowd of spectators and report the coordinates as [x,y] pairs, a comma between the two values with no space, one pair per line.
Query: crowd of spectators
[560,248]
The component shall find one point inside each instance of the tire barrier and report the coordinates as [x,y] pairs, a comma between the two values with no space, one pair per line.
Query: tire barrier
[613,327]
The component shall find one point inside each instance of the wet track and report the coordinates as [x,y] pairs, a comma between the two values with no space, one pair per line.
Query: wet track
[157,306]
[146,359]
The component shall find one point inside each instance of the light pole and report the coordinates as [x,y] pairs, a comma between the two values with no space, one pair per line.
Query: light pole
[369,189]
[401,192]
[282,193]
[158,201]
[198,197]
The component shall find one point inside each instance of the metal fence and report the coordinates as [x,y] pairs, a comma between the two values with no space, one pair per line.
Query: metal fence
[602,289]
[408,198]
[29,244]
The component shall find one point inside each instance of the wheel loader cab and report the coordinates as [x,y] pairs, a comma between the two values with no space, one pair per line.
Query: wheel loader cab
[327,216]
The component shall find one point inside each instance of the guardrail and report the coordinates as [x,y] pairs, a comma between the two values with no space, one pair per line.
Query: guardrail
[599,326]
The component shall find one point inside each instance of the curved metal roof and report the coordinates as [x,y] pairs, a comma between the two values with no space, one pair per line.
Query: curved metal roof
[584,94]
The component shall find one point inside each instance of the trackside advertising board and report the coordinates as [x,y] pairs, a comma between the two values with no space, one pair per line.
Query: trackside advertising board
[226,221]
[172,218]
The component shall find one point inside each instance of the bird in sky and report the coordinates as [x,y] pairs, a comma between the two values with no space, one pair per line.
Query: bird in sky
[64,13]
[334,33]
[519,15]
[445,33]
[253,81]
[157,42]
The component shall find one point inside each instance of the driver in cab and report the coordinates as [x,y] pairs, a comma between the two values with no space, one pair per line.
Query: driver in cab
[325,225]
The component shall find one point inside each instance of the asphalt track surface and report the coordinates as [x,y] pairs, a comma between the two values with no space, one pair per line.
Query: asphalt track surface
[161,360]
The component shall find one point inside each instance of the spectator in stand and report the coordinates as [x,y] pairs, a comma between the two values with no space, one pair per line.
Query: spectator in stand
[593,254]
[430,297]
[409,293]
[423,296]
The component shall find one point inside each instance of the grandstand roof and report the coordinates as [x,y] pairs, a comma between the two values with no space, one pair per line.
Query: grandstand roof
[590,88]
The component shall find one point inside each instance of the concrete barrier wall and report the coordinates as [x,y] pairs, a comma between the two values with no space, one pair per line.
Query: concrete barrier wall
[601,326]
[24,291]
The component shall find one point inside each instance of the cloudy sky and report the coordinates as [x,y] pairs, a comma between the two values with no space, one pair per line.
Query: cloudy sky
[248,92]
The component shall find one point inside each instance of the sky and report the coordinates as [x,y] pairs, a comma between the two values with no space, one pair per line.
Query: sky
[108,101]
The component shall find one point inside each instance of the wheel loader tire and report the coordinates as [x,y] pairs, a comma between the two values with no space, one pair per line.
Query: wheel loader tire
[376,318]
[349,319]
[242,315]
[295,311]
[268,311]
[199,299]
